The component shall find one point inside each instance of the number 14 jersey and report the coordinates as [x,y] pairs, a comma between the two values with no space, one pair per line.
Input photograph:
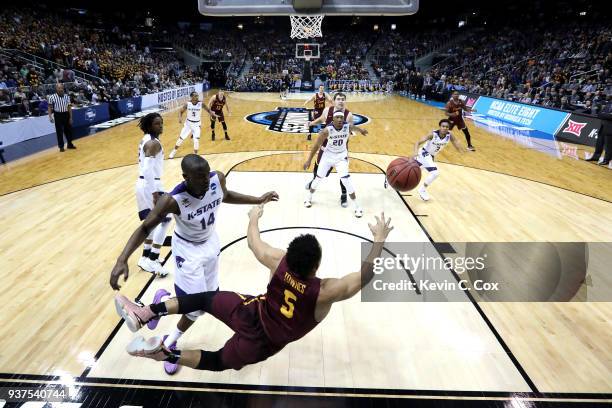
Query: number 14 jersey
[196,222]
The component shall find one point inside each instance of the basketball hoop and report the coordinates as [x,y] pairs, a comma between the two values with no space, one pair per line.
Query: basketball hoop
[306,26]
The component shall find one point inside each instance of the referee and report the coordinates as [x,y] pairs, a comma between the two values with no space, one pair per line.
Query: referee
[61,108]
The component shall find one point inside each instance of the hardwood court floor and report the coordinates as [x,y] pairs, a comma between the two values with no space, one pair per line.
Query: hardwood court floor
[61,240]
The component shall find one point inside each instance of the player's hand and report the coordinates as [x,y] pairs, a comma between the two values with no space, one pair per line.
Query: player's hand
[307,164]
[51,119]
[213,115]
[180,121]
[120,268]
[156,196]
[473,110]
[364,131]
[256,212]
[269,196]
[381,230]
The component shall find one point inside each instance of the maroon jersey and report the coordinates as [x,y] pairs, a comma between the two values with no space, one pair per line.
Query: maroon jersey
[319,101]
[288,311]
[218,104]
[452,107]
[330,115]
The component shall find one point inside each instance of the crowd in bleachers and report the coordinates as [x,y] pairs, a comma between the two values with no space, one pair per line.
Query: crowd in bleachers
[565,67]
[97,63]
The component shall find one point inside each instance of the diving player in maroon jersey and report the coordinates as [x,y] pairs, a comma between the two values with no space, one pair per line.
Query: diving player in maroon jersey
[294,303]
[216,104]
[454,109]
[319,104]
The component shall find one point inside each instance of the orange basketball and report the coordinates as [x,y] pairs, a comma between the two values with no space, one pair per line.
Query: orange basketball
[404,174]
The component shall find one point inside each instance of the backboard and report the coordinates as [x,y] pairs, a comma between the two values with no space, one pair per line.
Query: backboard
[307,51]
[220,8]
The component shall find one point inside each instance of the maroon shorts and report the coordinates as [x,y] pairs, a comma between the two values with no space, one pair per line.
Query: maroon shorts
[249,344]
[220,116]
[316,113]
[457,121]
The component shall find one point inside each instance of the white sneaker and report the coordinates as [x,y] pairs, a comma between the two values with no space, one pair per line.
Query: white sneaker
[307,203]
[358,212]
[172,154]
[144,263]
[424,194]
[158,268]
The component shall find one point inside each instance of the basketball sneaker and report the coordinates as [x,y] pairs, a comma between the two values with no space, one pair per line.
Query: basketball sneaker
[424,194]
[152,324]
[152,348]
[307,203]
[172,154]
[144,263]
[309,137]
[170,368]
[471,148]
[343,201]
[227,137]
[358,212]
[213,137]
[157,268]
[135,316]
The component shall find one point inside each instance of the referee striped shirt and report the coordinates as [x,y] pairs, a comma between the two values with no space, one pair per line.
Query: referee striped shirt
[59,103]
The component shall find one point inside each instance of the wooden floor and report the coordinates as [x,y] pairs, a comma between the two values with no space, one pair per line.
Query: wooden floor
[67,216]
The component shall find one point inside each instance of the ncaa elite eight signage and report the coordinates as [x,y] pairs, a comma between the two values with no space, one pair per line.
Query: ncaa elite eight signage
[293,120]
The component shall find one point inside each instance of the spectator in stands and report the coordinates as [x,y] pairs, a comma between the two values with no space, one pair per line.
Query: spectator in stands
[21,100]
[5,98]
[604,136]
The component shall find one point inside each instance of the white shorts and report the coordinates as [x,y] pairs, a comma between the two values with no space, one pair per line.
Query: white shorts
[339,162]
[144,199]
[196,265]
[426,160]
[190,127]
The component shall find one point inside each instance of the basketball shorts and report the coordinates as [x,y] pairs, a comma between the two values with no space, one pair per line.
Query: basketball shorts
[190,127]
[457,121]
[249,344]
[196,265]
[144,199]
[327,162]
[426,160]
[220,116]
[316,113]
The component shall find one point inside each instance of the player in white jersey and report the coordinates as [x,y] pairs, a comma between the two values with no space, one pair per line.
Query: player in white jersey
[335,154]
[195,244]
[434,143]
[149,188]
[193,123]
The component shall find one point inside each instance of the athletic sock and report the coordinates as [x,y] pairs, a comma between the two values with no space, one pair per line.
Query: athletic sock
[176,334]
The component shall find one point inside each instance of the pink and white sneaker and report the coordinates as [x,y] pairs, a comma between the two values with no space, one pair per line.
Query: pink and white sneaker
[152,348]
[152,324]
[135,316]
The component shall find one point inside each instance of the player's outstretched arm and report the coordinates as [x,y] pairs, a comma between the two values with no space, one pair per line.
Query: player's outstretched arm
[315,148]
[266,254]
[420,142]
[336,290]
[181,111]
[165,206]
[353,128]
[309,100]
[233,197]
[320,119]
[456,143]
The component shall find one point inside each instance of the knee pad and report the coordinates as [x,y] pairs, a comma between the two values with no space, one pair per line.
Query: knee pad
[212,124]
[196,143]
[432,176]
[315,183]
[224,125]
[211,361]
[159,233]
[346,181]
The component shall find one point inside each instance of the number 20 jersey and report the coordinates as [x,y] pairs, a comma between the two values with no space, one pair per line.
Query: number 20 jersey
[196,222]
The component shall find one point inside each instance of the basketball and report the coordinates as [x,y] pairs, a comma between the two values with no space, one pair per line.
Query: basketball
[404,174]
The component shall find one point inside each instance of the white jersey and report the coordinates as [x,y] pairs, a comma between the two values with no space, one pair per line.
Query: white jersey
[194,112]
[158,160]
[337,140]
[436,143]
[196,221]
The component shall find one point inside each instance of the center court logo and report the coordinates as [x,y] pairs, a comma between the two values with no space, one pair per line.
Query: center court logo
[574,127]
[293,120]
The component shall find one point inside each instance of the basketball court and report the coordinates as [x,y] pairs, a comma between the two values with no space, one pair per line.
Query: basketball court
[67,218]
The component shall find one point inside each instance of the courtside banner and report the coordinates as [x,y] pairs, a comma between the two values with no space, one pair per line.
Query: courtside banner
[532,116]
[580,129]
[169,95]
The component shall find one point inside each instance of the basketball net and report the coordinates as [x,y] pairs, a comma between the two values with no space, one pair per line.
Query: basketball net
[306,26]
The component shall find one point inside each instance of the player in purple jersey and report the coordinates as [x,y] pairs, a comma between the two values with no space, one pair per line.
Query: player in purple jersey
[295,302]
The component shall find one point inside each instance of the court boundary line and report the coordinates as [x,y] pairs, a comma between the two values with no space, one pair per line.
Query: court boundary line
[306,151]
